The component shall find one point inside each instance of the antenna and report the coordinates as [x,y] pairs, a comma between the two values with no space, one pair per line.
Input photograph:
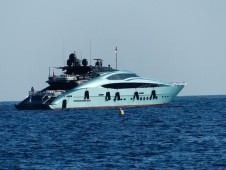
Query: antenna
[63,53]
[90,51]
[49,71]
[116,51]
[81,54]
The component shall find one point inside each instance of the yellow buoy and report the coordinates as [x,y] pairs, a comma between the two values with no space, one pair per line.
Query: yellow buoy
[121,112]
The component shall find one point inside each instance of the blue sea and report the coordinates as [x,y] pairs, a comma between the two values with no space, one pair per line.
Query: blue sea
[189,133]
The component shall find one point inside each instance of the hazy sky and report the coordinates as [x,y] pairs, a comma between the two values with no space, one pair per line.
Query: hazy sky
[171,40]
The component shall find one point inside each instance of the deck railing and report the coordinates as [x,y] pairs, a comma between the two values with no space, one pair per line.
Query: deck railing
[46,93]
[70,77]
[179,83]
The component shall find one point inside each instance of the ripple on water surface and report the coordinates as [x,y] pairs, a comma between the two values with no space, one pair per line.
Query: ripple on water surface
[187,134]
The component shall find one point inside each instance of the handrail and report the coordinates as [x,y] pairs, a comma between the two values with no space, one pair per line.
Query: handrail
[179,83]
[47,92]
[70,77]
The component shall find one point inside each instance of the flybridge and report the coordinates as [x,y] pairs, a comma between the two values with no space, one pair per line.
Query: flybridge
[77,72]
[75,67]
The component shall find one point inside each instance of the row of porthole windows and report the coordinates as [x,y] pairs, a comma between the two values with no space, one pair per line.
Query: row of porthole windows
[165,96]
[143,98]
[117,96]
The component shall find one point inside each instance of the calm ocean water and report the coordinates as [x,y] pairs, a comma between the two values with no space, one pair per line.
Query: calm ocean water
[190,133]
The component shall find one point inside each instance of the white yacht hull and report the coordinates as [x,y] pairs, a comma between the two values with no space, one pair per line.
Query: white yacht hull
[98,97]
[114,88]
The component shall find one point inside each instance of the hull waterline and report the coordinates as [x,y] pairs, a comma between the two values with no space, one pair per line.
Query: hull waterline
[23,106]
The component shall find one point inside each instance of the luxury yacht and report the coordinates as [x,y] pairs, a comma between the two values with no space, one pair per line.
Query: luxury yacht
[83,86]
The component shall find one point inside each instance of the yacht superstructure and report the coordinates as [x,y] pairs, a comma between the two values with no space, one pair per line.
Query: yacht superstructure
[83,86]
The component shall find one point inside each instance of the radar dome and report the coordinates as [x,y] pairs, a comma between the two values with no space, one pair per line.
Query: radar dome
[84,62]
[72,57]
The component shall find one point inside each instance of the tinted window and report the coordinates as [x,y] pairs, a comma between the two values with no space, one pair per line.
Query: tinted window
[130,85]
[121,76]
